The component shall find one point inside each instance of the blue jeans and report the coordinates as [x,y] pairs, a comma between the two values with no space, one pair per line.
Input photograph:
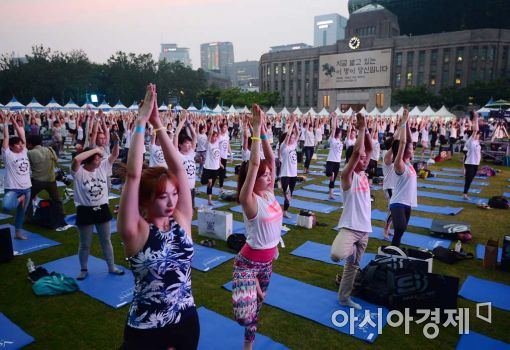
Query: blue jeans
[10,202]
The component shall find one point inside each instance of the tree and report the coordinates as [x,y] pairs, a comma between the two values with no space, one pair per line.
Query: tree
[414,96]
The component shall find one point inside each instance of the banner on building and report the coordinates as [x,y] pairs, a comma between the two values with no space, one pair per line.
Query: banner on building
[361,69]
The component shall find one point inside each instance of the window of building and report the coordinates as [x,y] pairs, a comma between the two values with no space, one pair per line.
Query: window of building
[446,56]
[474,76]
[409,79]
[491,53]
[291,68]
[482,74]
[458,80]
[268,70]
[307,67]
[307,86]
[474,54]
[299,67]
[433,57]
[432,80]
[284,69]
[460,54]
[276,69]
[315,84]
[316,66]
[489,74]
[291,100]
[421,58]
[410,58]
[276,85]
[421,77]
[483,56]
[398,59]
[291,84]
[398,78]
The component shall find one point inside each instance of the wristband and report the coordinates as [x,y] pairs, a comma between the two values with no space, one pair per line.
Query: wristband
[115,143]
[263,137]
[139,130]
[254,138]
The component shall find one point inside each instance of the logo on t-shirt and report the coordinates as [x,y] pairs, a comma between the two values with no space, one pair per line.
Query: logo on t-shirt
[337,147]
[94,188]
[223,144]
[22,165]
[293,156]
[189,167]
[216,153]
[158,156]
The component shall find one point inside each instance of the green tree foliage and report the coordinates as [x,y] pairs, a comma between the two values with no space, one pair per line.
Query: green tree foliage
[47,74]
[234,96]
[477,93]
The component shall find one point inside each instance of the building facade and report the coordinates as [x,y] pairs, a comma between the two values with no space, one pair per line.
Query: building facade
[375,59]
[173,53]
[217,57]
[328,29]
[245,74]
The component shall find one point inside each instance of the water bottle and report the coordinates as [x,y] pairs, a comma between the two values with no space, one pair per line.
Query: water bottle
[30,265]
[458,246]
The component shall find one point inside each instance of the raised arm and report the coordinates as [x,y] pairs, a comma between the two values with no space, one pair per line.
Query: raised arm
[184,207]
[5,143]
[115,150]
[246,195]
[268,150]
[75,165]
[404,136]
[359,148]
[20,130]
[131,225]
[182,120]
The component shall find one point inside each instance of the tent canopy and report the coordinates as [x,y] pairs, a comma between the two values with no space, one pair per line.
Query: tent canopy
[14,105]
[53,104]
[338,112]
[415,112]
[164,108]
[444,113]
[35,105]
[312,112]
[297,111]
[192,108]
[134,106]
[232,110]
[271,111]
[428,112]
[71,105]
[119,107]
[374,112]
[218,109]
[284,111]
[363,111]
[323,112]
[104,106]
[387,113]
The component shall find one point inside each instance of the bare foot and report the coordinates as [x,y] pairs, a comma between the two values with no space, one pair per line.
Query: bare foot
[20,236]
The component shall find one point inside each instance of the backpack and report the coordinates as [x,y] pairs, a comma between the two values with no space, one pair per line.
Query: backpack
[498,202]
[47,215]
[229,196]
[6,250]
[236,241]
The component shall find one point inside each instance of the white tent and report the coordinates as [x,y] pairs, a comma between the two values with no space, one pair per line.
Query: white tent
[271,111]
[312,112]
[104,106]
[218,109]
[387,113]
[415,112]
[205,110]
[428,112]
[363,111]
[348,112]
[400,111]
[163,107]
[374,112]
[192,108]
[177,107]
[232,110]
[246,110]
[284,112]
[134,106]
[119,107]
[71,105]
[338,112]
[53,104]
[14,105]
[2,106]
[88,105]
[444,113]
[297,111]
[323,112]
[35,105]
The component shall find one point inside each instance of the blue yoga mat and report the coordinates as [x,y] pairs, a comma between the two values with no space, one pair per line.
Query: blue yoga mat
[480,290]
[5,216]
[449,174]
[202,202]
[205,259]
[455,181]
[436,209]
[319,305]
[113,196]
[446,188]
[480,252]
[415,221]
[451,197]
[113,290]
[322,252]
[313,206]
[34,242]
[237,226]
[459,170]
[117,187]
[506,194]
[372,187]
[317,195]
[12,336]
[218,332]
[411,239]
[319,188]
[477,341]
[71,220]
[321,167]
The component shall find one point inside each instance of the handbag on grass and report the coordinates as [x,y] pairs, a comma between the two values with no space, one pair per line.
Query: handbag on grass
[450,256]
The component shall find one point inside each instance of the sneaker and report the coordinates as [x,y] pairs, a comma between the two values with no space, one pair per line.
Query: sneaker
[117,272]
[350,303]
[83,274]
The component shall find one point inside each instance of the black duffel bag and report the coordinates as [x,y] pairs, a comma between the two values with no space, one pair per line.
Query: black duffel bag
[6,250]
[48,215]
[399,284]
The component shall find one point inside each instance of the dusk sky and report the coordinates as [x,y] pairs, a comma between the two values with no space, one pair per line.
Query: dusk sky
[102,27]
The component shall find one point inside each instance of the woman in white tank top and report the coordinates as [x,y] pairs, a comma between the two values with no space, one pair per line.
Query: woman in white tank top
[263,219]
[404,194]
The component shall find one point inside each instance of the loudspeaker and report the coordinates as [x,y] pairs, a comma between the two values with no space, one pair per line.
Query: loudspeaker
[6,251]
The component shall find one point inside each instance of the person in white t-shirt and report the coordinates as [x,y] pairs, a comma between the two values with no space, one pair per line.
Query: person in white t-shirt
[404,196]
[212,163]
[473,155]
[354,225]
[17,184]
[288,169]
[90,171]
[185,141]
[334,155]
[201,148]
[156,157]
[224,147]
[309,145]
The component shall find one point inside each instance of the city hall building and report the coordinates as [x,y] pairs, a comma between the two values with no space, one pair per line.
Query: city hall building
[374,59]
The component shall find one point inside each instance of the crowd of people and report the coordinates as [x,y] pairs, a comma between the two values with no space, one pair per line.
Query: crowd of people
[157,201]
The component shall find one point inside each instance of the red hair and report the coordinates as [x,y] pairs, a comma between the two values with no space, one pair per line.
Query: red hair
[153,182]
[243,171]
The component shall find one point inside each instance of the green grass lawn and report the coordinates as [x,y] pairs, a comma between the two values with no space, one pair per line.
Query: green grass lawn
[77,321]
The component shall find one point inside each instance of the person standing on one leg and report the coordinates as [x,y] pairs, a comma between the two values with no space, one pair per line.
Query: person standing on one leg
[355,225]
[404,194]
[334,155]
[263,219]
[473,155]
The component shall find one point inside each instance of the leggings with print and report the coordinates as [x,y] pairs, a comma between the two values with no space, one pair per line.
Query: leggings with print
[244,292]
